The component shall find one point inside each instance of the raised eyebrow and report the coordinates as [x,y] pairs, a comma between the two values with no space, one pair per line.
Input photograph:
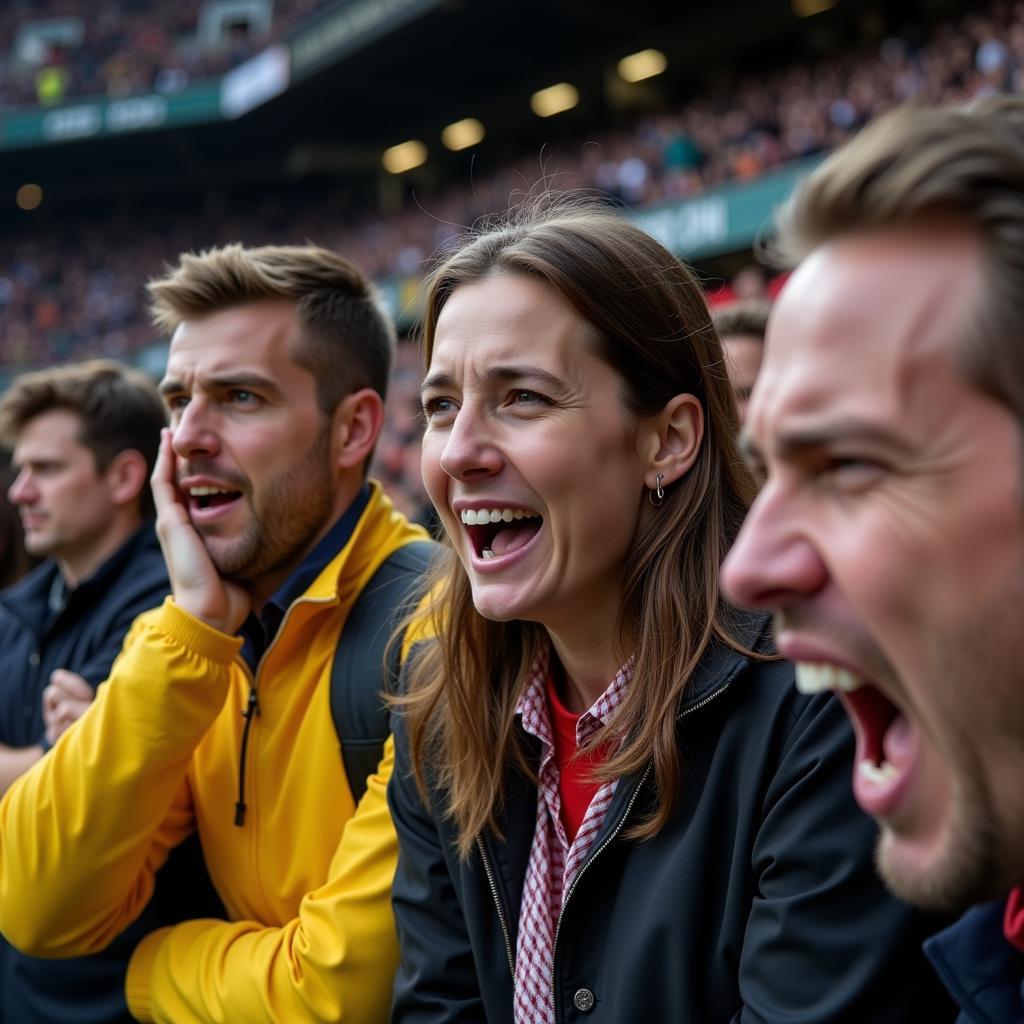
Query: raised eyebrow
[506,373]
[799,441]
[514,373]
[244,381]
[437,380]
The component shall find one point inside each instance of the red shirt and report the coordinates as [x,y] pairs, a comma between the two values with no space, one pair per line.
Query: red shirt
[576,785]
[1013,919]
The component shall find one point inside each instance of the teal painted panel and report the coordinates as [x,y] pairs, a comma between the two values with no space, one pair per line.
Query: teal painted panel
[91,119]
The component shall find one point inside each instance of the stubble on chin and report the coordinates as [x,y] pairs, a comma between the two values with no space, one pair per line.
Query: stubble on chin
[966,871]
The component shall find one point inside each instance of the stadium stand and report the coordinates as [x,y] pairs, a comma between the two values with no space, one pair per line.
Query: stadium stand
[56,50]
[71,277]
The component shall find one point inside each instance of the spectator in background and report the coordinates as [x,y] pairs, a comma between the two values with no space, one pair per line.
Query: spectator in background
[15,560]
[751,284]
[609,799]
[217,720]
[741,328]
[85,440]
[888,426]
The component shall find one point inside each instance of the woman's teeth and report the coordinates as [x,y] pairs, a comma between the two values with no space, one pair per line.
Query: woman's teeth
[481,516]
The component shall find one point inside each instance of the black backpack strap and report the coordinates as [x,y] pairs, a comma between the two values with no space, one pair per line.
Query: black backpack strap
[359,675]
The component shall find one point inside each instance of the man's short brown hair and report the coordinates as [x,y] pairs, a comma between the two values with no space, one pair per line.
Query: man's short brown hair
[347,341]
[916,165]
[119,409]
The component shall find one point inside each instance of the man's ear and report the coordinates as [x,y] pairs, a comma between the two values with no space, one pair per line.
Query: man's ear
[677,432]
[355,427]
[126,476]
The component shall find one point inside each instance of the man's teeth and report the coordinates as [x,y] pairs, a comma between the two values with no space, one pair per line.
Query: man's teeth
[877,773]
[815,678]
[202,492]
[480,516]
[486,554]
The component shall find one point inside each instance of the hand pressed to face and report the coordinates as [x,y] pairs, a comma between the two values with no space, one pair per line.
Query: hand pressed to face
[890,537]
[197,585]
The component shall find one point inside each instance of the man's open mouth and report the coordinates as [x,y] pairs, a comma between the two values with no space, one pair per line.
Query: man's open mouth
[498,531]
[884,743]
[211,497]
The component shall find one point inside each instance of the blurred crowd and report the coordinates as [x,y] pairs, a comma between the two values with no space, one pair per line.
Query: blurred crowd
[123,48]
[73,290]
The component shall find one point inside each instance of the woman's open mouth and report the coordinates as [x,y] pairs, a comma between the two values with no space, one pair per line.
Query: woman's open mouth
[497,532]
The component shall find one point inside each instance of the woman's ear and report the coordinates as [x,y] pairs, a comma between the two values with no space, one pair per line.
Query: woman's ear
[678,432]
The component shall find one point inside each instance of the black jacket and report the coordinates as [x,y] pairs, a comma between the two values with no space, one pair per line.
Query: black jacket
[758,901]
[83,635]
[43,628]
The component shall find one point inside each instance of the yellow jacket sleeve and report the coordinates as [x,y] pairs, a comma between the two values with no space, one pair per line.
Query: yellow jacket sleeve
[83,832]
[334,962]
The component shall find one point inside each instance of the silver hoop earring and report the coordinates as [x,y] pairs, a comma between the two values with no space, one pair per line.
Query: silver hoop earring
[657,496]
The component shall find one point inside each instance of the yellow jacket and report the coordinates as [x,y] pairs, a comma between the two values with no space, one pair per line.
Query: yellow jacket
[306,880]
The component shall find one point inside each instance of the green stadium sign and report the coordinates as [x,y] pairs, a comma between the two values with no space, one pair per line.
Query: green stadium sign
[721,220]
[89,119]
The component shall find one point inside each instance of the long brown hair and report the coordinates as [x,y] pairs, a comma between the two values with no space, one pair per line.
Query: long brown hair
[651,325]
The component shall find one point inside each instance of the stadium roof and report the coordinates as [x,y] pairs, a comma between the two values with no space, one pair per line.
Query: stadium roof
[453,59]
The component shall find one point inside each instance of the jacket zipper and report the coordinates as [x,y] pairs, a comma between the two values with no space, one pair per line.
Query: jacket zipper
[252,707]
[609,839]
[497,903]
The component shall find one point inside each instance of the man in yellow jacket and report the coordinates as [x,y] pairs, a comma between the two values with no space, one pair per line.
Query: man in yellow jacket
[217,714]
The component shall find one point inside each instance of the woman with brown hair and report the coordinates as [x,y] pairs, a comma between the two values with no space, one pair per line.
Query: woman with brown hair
[611,803]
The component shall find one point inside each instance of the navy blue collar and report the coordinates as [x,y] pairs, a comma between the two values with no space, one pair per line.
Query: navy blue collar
[257,632]
[982,971]
[39,598]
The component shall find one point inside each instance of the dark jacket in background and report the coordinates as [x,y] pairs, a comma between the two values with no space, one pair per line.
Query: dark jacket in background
[757,902]
[83,633]
[43,627]
[980,968]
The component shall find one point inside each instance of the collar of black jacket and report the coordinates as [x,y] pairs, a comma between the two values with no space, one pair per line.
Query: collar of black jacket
[29,598]
[721,664]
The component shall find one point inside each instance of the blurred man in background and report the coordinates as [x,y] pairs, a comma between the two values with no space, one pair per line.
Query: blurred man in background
[742,326]
[888,426]
[84,442]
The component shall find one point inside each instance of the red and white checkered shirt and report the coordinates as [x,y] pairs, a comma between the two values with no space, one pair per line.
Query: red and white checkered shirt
[554,861]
